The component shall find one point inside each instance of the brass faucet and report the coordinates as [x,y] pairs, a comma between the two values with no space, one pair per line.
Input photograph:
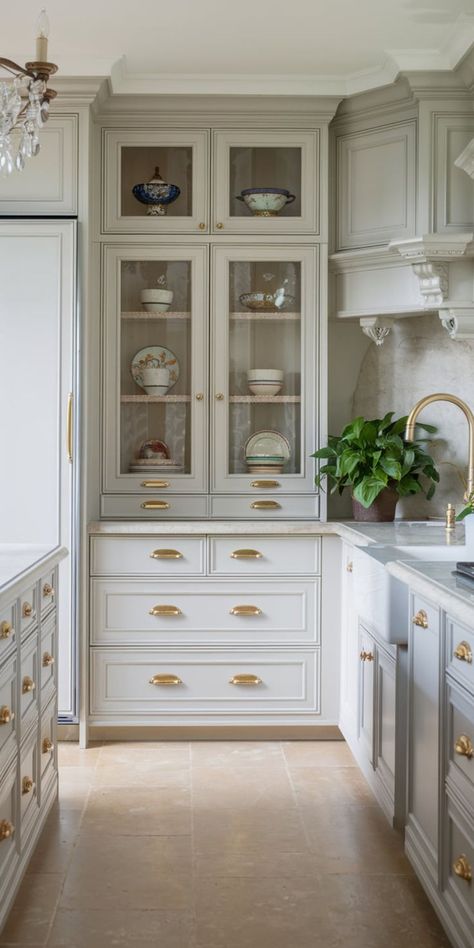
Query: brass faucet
[443,397]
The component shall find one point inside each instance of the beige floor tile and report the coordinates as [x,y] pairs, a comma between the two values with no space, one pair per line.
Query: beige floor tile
[249,830]
[354,839]
[56,842]
[142,774]
[265,784]
[33,910]
[114,873]
[166,754]
[121,929]
[234,753]
[70,755]
[258,865]
[330,786]
[317,754]
[133,811]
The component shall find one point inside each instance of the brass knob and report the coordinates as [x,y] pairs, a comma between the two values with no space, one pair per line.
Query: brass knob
[165,611]
[246,555]
[27,785]
[220,396]
[270,485]
[155,505]
[199,396]
[47,746]
[157,485]
[27,685]
[6,630]
[366,656]
[245,680]
[165,680]
[6,714]
[265,505]
[219,226]
[27,610]
[462,868]
[421,619]
[47,660]
[202,226]
[6,830]
[349,567]
[463,652]
[166,555]
[245,611]
[48,591]
[464,746]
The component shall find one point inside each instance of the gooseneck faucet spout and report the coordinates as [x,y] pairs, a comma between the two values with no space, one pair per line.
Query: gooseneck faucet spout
[444,397]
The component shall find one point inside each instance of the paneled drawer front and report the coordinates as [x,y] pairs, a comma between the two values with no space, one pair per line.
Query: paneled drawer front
[8,711]
[47,744]
[29,796]
[275,507]
[126,682]
[9,825]
[48,653]
[149,613]
[460,652]
[424,615]
[459,869]
[29,684]
[47,592]
[7,630]
[252,556]
[177,507]
[153,556]
[460,737]
[29,609]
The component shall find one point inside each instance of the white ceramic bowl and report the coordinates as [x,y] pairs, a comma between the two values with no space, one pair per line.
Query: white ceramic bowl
[156,389]
[265,388]
[156,307]
[265,375]
[156,296]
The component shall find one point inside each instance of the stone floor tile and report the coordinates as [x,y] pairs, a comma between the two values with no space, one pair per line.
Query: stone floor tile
[234,787]
[354,839]
[317,754]
[330,786]
[170,755]
[70,755]
[142,774]
[56,842]
[249,830]
[33,910]
[134,811]
[254,865]
[230,754]
[121,929]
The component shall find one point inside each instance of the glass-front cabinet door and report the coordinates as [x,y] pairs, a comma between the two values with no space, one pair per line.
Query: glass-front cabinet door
[155,370]
[266,182]
[265,381]
[155,181]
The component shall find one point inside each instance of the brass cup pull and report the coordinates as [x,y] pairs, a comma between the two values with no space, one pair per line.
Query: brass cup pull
[157,485]
[270,485]
[464,746]
[166,680]
[462,868]
[47,746]
[48,591]
[246,555]
[6,714]
[165,611]
[421,619]
[47,660]
[265,505]
[6,630]
[27,785]
[463,652]
[366,656]
[27,610]
[245,680]
[155,505]
[166,555]
[6,830]
[27,685]
[245,611]
[349,567]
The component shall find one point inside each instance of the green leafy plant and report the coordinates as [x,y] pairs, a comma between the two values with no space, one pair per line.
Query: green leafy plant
[370,456]
[468,509]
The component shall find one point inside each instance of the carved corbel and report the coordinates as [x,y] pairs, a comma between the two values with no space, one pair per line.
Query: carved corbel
[376,328]
[458,320]
[433,282]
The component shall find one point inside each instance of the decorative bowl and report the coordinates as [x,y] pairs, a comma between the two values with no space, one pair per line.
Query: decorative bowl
[264,387]
[156,296]
[265,202]
[156,194]
[267,302]
[153,449]
[265,375]
[156,381]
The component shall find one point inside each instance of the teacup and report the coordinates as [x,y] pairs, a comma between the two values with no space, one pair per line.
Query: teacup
[156,381]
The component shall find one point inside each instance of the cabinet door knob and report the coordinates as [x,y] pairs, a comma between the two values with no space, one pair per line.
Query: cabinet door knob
[463,652]
[6,714]
[6,630]
[265,505]
[166,680]
[166,555]
[246,555]
[27,685]
[6,830]
[199,396]
[245,680]
[202,226]
[464,746]
[420,619]
[47,746]
[155,505]
[462,868]
[48,591]
[219,226]
[245,611]
[349,567]
[47,660]
[366,656]
[220,396]
[27,785]
[27,610]
[165,611]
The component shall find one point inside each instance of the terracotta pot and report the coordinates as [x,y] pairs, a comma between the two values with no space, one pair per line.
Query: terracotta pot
[382,510]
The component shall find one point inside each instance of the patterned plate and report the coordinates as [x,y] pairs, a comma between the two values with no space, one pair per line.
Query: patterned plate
[267,444]
[154,357]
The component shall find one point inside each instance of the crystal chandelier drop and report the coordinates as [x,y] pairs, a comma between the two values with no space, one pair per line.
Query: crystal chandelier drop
[24,103]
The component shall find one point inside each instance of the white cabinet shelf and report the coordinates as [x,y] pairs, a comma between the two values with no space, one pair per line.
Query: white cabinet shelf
[265,399]
[160,399]
[265,317]
[141,314]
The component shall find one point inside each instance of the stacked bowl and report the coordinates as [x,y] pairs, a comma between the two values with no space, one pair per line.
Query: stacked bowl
[267,382]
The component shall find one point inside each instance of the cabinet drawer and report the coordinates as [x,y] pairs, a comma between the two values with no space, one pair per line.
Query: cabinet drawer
[7,630]
[29,796]
[48,655]
[9,825]
[178,507]
[460,652]
[121,681]
[8,711]
[29,685]
[234,556]
[459,866]
[147,556]
[127,613]
[460,737]
[47,592]
[287,507]
[47,744]
[29,609]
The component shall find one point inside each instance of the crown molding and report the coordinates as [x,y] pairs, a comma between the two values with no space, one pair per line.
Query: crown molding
[75,91]
[448,247]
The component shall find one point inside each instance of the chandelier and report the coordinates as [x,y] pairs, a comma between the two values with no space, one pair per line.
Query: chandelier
[24,103]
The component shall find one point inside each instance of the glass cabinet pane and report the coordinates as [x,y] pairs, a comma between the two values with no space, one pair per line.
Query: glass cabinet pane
[171,196]
[276,171]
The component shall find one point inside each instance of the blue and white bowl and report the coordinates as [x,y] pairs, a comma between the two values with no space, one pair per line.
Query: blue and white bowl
[265,202]
[156,194]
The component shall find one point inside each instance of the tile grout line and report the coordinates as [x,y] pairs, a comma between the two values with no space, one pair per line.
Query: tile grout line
[295,798]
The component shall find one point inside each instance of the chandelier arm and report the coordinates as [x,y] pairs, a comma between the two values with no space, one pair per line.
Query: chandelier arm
[14,68]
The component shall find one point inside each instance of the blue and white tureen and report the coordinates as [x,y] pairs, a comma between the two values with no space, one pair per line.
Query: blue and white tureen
[156,194]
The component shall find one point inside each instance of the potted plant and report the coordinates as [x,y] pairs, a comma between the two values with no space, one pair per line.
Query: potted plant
[378,465]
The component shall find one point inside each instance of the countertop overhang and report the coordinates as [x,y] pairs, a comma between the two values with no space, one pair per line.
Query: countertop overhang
[21,560]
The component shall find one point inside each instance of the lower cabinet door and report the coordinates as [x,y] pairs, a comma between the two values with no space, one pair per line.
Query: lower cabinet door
[366,693]
[9,827]
[139,682]
[458,882]
[385,719]
[47,748]
[29,790]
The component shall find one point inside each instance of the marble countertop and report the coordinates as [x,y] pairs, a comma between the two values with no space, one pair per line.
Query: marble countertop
[21,560]
[438,583]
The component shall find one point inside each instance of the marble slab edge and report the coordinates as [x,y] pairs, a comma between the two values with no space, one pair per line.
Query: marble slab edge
[459,605]
[231,527]
[20,564]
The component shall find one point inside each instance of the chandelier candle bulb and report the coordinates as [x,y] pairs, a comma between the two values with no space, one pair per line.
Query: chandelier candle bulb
[42,26]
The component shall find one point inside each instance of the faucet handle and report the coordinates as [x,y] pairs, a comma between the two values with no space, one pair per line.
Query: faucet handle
[450,518]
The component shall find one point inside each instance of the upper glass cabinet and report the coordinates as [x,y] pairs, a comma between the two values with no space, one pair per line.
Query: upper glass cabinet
[156,182]
[265,182]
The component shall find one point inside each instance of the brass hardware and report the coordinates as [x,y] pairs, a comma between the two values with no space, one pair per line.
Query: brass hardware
[27,785]
[47,746]
[219,226]
[166,555]
[6,630]
[69,428]
[47,660]
[155,505]
[27,610]
[202,226]
[366,656]
[464,746]
[246,555]
[265,505]
[450,518]
[165,680]
[27,685]
[463,652]
[157,485]
[220,396]
[245,611]
[199,396]
[6,715]
[165,611]
[421,619]
[462,868]
[349,567]
[443,397]
[6,830]
[48,591]
[268,484]
[245,680]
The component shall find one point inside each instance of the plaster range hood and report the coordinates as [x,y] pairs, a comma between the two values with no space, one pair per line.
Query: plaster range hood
[433,273]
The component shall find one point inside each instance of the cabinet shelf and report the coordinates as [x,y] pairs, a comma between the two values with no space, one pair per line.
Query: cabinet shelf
[265,399]
[266,317]
[140,399]
[141,314]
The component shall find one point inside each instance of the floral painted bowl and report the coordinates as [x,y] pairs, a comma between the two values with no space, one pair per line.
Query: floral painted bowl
[265,202]
[267,302]
[156,194]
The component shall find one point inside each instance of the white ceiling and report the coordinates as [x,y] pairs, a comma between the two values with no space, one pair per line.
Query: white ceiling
[312,46]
